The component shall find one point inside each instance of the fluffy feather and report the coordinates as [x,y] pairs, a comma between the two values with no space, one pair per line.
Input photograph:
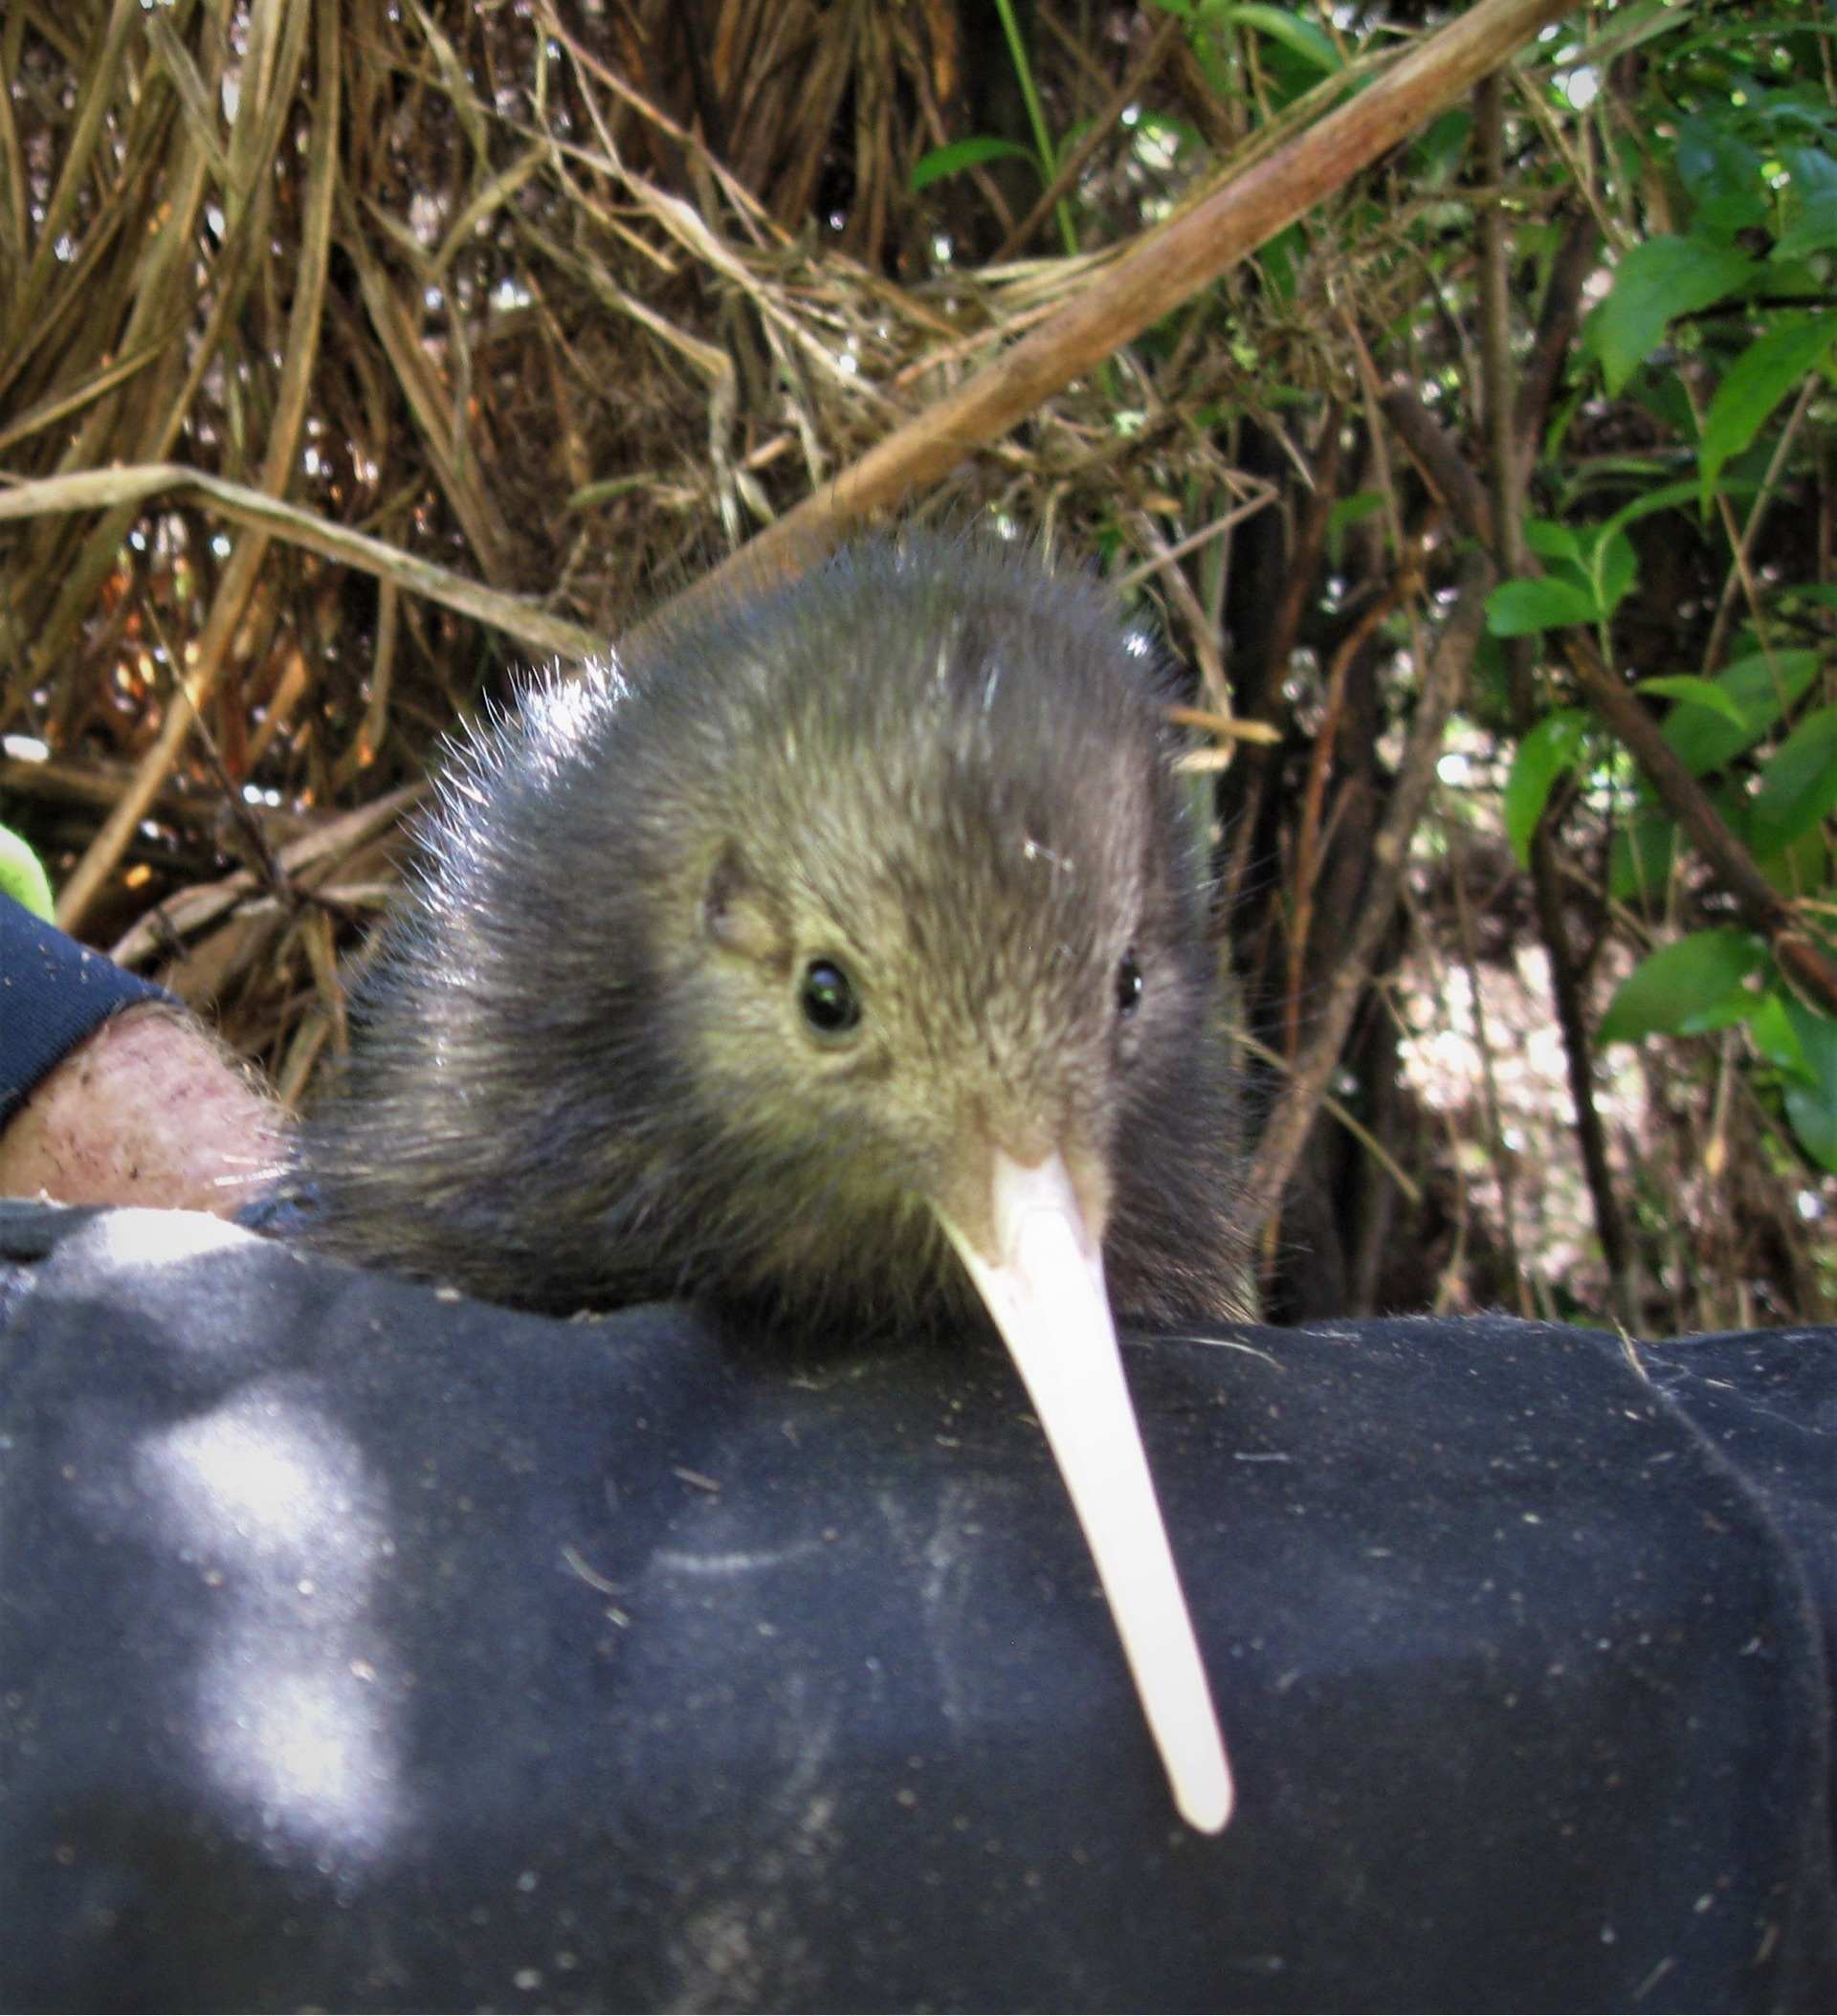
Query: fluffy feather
[581,1074]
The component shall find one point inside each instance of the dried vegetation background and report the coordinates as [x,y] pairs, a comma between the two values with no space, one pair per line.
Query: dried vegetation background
[359,354]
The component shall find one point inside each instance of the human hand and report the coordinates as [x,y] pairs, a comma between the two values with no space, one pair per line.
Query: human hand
[148,1109]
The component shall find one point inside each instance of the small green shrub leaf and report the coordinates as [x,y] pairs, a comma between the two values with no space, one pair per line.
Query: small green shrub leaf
[1798,784]
[1353,510]
[961,154]
[1812,203]
[1295,32]
[1616,568]
[1755,382]
[1664,277]
[1700,693]
[1811,1105]
[1723,175]
[1762,688]
[22,878]
[1799,868]
[1552,747]
[1698,983]
[1639,863]
[1550,539]
[1520,609]
[1773,1034]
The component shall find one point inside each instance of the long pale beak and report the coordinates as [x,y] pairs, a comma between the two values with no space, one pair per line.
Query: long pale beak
[1043,1283]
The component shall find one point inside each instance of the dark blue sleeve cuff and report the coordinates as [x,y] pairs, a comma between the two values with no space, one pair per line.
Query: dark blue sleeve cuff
[52,993]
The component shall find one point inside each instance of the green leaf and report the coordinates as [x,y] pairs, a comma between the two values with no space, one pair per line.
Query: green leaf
[1723,175]
[1798,784]
[1552,747]
[1550,539]
[1638,862]
[1664,277]
[1661,394]
[1518,608]
[1177,135]
[1615,569]
[1812,1108]
[1696,984]
[1771,1031]
[1278,259]
[961,154]
[1762,688]
[22,878]
[1812,203]
[1755,382]
[1704,692]
[1630,27]
[1800,869]
[1668,496]
[1294,32]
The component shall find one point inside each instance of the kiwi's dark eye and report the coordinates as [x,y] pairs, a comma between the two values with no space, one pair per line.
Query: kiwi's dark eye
[1128,987]
[827,996]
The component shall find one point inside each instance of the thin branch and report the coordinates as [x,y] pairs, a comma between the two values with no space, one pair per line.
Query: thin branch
[1443,684]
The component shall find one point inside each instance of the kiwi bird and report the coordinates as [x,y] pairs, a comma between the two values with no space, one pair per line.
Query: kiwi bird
[836,952]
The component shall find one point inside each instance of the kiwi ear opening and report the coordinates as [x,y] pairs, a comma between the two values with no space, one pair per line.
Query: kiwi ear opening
[739,916]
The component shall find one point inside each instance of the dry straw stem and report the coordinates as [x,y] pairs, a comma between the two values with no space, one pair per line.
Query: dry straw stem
[266,516]
[312,856]
[275,53]
[516,615]
[139,252]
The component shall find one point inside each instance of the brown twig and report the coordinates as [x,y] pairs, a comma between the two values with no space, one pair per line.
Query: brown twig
[1446,678]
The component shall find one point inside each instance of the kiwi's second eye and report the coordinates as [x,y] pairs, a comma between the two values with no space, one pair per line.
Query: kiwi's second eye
[1128,987]
[827,996]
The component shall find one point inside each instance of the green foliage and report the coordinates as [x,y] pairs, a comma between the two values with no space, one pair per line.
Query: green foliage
[22,876]
[1679,498]
[1798,783]
[1656,283]
[1716,329]
[1761,688]
[1810,1096]
[1298,52]
[1770,368]
[1692,985]
[1590,569]
[1521,608]
[1297,33]
[1812,204]
[1552,748]
[1701,692]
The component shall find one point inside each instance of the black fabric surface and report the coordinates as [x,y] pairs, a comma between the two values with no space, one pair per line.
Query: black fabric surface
[53,992]
[360,1648]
